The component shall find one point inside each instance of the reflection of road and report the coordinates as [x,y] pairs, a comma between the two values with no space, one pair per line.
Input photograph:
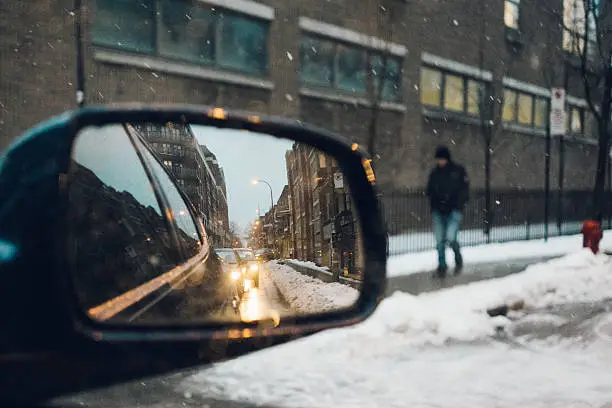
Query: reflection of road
[262,303]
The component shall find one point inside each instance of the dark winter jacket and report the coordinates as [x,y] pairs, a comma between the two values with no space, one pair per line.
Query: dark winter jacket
[448,188]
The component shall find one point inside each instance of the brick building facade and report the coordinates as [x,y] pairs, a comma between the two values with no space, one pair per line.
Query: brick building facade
[318,60]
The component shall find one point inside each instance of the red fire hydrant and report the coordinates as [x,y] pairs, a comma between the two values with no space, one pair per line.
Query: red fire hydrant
[591,235]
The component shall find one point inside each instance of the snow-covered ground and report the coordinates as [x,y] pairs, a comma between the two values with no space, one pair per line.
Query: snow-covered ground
[427,261]
[309,295]
[436,350]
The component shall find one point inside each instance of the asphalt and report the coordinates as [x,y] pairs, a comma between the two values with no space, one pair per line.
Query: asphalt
[427,282]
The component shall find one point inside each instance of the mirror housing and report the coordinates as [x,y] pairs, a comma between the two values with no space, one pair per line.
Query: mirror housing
[33,237]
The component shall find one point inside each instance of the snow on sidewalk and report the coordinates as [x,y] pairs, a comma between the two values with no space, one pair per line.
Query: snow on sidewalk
[410,263]
[310,295]
[434,349]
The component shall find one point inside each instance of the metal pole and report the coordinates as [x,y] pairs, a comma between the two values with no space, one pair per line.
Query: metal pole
[80,65]
[547,181]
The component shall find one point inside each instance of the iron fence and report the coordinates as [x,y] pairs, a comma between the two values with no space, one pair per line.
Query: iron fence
[516,215]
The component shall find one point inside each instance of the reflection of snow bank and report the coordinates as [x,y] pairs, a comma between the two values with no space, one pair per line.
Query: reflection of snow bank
[388,360]
[426,261]
[310,295]
[309,264]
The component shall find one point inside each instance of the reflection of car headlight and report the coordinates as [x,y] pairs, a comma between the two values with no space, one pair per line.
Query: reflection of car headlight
[235,275]
[244,269]
[254,268]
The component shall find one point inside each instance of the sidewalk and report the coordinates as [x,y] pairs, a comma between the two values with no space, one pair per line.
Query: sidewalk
[422,282]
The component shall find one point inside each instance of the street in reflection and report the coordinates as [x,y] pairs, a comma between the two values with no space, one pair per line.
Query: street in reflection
[200,223]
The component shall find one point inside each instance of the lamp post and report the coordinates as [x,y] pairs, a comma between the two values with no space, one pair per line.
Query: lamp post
[272,208]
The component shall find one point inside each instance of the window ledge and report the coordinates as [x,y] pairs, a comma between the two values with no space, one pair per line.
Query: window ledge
[170,67]
[449,115]
[580,139]
[353,100]
[527,130]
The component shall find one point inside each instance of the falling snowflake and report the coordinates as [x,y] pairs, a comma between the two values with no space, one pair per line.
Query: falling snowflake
[289,56]
[455,23]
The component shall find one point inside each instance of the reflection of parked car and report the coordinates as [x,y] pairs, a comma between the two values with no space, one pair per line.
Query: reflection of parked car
[248,259]
[265,254]
[233,268]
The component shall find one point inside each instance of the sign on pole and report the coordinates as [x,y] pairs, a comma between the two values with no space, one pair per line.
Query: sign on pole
[338,180]
[557,112]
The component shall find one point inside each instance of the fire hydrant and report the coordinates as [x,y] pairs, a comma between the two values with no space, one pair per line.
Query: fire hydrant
[591,235]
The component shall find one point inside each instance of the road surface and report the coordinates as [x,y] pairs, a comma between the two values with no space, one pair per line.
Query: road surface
[426,282]
[263,303]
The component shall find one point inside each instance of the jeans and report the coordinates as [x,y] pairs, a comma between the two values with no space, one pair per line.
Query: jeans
[446,228]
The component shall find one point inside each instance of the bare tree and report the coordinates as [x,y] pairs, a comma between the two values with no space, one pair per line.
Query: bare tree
[378,69]
[587,27]
[490,103]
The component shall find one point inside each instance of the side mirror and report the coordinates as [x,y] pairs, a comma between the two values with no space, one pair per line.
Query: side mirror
[114,213]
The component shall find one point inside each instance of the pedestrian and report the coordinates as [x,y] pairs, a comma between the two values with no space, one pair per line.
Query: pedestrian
[448,191]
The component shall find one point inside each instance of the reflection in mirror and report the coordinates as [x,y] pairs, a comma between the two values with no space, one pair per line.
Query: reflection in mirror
[186,224]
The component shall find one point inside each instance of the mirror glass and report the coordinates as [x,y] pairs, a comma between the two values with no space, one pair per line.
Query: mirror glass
[183,224]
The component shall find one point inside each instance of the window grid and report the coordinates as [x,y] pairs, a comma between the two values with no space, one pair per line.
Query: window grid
[467,84]
[251,59]
[533,101]
[366,78]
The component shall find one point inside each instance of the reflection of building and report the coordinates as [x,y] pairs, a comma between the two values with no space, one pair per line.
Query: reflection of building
[197,172]
[282,227]
[321,220]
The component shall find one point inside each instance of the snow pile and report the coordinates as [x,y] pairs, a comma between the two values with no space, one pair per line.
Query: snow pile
[427,261]
[459,313]
[310,295]
[384,361]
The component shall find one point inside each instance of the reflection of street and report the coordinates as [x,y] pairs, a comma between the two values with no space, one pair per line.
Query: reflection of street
[264,303]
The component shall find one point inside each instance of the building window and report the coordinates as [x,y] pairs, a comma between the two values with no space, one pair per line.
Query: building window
[125,24]
[183,30]
[576,22]
[326,63]
[580,120]
[451,92]
[512,13]
[525,109]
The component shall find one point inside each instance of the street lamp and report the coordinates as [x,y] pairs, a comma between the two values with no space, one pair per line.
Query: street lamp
[272,208]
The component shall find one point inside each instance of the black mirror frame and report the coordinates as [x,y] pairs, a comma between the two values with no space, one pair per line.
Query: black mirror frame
[350,160]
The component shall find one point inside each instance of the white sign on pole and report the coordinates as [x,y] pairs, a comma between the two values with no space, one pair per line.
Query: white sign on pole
[338,180]
[557,112]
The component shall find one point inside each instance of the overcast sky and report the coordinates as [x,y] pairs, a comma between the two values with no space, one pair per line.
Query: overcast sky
[244,157]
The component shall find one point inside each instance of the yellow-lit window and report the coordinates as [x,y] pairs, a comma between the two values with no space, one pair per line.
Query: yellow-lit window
[509,108]
[475,95]
[541,112]
[431,83]
[525,109]
[576,120]
[511,13]
[453,93]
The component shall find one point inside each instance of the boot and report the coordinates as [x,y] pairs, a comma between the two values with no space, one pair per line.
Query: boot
[441,271]
[458,265]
